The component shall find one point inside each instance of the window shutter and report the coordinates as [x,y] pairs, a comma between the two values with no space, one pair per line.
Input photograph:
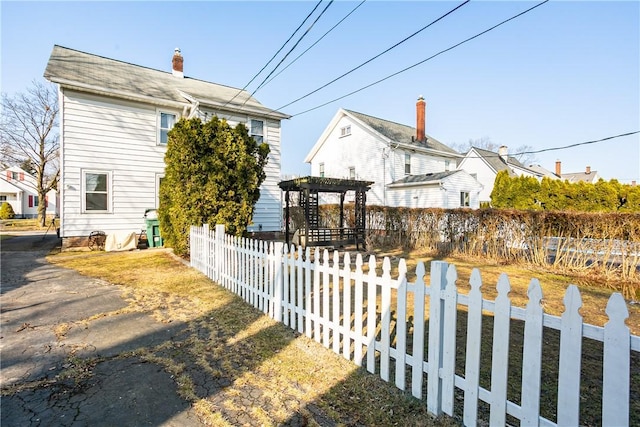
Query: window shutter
[30,201]
[46,201]
[9,175]
[21,176]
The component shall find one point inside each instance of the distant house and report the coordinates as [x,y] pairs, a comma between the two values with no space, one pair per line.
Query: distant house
[587,176]
[19,189]
[408,167]
[114,121]
[484,165]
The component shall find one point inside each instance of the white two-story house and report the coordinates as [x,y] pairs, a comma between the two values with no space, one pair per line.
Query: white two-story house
[114,120]
[408,167]
[19,188]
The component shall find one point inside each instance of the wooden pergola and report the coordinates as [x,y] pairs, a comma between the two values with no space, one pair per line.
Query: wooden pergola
[308,189]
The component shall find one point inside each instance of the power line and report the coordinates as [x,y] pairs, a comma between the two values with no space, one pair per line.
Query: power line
[421,62]
[377,56]
[564,147]
[316,42]
[275,54]
[290,50]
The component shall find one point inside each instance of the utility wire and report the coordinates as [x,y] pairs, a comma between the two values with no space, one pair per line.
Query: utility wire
[275,54]
[290,50]
[418,63]
[564,147]
[375,57]
[316,42]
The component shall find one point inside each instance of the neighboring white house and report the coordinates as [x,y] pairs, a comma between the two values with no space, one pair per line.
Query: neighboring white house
[19,189]
[408,167]
[114,119]
[587,176]
[484,165]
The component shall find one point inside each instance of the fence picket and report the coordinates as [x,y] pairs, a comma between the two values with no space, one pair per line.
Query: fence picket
[385,319]
[500,353]
[316,295]
[532,356]
[307,293]
[283,299]
[436,311]
[358,307]
[449,340]
[616,369]
[346,303]
[292,288]
[371,315]
[326,291]
[417,352]
[335,294]
[300,292]
[401,326]
[474,339]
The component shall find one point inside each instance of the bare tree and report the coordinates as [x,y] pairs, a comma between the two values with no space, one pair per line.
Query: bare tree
[29,136]
[522,153]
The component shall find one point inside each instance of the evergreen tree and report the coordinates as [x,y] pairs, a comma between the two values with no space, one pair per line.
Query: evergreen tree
[213,175]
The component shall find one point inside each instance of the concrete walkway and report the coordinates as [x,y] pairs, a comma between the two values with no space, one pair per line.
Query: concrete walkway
[47,345]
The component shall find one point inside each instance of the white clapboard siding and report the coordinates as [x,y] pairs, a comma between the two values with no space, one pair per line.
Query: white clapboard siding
[353,314]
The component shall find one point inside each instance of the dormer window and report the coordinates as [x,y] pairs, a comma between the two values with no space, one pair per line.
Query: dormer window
[345,131]
[166,121]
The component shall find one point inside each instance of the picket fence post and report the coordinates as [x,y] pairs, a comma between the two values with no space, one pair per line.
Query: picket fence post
[277,283]
[616,364]
[436,325]
[417,369]
[218,257]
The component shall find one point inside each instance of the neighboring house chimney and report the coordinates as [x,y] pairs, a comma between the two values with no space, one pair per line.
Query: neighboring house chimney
[503,152]
[177,63]
[588,171]
[420,119]
[558,168]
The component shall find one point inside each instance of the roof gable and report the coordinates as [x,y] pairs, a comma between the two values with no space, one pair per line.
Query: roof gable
[97,74]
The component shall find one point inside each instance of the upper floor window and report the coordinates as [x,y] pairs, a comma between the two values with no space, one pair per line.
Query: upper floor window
[464,199]
[257,130]
[166,123]
[96,190]
[321,170]
[407,163]
[447,165]
[345,130]
[352,172]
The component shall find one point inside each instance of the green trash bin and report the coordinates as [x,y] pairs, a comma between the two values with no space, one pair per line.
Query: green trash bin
[154,240]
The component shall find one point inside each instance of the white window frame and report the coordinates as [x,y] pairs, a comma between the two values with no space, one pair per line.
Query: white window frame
[160,129]
[253,135]
[352,172]
[447,165]
[345,131]
[465,199]
[407,163]
[109,191]
[159,176]
[321,170]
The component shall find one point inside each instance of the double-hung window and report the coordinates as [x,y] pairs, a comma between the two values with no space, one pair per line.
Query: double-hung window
[166,121]
[321,170]
[345,131]
[96,191]
[464,199]
[257,130]
[407,164]
[352,172]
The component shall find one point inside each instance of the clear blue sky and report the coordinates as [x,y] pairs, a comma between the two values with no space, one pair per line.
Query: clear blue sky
[565,73]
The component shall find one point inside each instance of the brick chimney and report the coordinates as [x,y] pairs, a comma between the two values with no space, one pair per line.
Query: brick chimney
[588,170]
[420,119]
[177,63]
[558,168]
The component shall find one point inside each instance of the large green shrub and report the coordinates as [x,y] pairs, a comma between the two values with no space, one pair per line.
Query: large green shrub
[213,175]
[6,211]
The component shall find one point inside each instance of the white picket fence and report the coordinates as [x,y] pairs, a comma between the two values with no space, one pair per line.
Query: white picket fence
[358,313]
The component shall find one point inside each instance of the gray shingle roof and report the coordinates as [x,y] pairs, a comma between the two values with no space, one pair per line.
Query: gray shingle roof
[98,74]
[496,162]
[425,178]
[400,133]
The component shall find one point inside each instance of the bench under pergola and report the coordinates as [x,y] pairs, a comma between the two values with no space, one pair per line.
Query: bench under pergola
[308,189]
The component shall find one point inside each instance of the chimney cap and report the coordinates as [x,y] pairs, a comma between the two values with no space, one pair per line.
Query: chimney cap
[176,51]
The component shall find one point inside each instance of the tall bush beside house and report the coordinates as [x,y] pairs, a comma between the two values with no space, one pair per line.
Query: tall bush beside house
[6,211]
[213,176]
